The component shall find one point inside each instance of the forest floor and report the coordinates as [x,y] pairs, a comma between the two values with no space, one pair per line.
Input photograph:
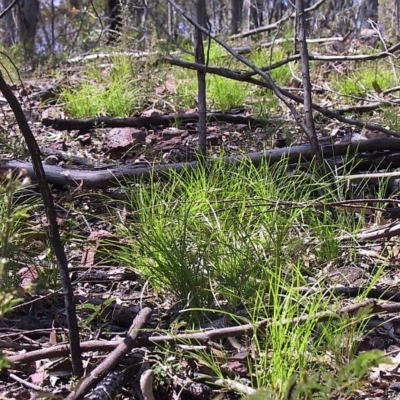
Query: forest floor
[110,293]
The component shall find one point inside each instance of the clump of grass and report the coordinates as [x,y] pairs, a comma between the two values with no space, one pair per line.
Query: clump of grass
[219,239]
[8,299]
[116,93]
[13,225]
[200,224]
[231,205]
[221,93]
[363,79]
[390,118]
[215,227]
[264,57]
[226,93]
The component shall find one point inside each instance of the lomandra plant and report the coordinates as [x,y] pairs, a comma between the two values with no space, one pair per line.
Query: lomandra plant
[7,301]
[216,230]
[325,385]
[372,76]
[239,241]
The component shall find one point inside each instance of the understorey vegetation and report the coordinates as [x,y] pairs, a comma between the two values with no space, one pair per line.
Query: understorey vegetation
[192,213]
[232,253]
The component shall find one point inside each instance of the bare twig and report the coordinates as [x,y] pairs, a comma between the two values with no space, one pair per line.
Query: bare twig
[227,73]
[278,92]
[114,358]
[305,69]
[378,232]
[357,177]
[359,57]
[201,79]
[28,385]
[3,13]
[54,233]
[204,337]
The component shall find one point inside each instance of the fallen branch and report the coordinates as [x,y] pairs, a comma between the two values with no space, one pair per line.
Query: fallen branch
[238,76]
[62,124]
[357,57]
[353,292]
[114,174]
[204,337]
[359,177]
[112,360]
[29,385]
[378,232]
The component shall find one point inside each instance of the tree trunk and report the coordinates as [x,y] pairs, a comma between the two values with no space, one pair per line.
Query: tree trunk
[256,12]
[236,15]
[28,11]
[114,20]
[9,27]
[368,10]
[278,8]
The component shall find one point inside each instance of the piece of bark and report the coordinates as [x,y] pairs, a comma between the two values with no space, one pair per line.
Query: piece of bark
[71,158]
[109,386]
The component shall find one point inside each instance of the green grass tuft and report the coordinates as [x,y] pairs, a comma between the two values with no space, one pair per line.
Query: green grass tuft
[115,93]
[223,238]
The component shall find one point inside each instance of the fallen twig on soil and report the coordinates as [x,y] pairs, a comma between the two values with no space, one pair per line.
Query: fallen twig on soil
[113,358]
[114,174]
[371,305]
[377,232]
[62,124]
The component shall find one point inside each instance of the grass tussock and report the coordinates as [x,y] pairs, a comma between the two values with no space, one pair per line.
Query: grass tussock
[222,243]
[114,92]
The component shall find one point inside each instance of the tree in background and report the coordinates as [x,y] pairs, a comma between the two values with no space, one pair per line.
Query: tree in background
[65,27]
[114,20]
[236,15]
[28,12]
[9,32]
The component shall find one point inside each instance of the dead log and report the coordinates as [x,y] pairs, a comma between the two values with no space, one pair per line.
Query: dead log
[107,176]
[62,124]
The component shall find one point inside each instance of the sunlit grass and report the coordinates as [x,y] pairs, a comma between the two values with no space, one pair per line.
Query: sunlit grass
[364,79]
[114,93]
[217,240]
